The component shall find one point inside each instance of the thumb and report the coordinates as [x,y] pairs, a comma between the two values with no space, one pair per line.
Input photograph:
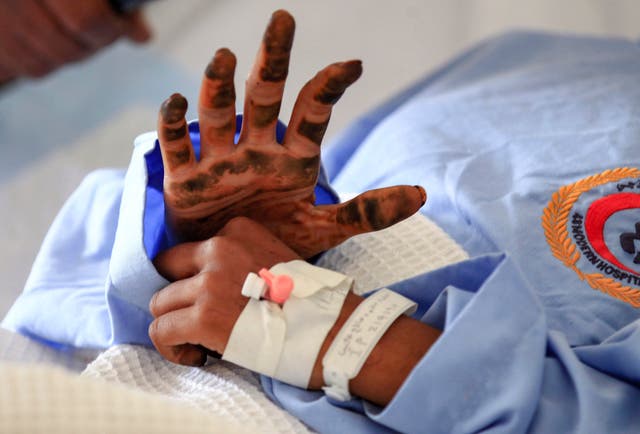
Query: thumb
[326,226]
[376,209]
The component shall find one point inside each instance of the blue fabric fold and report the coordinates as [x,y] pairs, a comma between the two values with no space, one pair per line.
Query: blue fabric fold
[527,345]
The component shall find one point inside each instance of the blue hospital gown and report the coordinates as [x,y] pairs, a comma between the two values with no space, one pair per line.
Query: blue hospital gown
[528,145]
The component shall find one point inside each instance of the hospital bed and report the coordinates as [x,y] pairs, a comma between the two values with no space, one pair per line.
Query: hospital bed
[51,390]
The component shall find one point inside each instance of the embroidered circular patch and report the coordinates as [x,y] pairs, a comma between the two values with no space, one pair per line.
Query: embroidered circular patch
[593,227]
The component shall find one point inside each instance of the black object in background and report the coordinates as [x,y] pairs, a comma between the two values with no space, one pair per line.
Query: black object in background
[124,6]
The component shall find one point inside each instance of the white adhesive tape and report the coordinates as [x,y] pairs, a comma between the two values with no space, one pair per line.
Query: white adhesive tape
[257,337]
[283,343]
[357,338]
[307,278]
[310,312]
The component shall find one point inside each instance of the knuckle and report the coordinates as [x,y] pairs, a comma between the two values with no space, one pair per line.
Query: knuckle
[220,248]
[204,313]
[153,303]
[206,280]
[154,331]
[211,247]
[238,224]
[156,335]
[201,312]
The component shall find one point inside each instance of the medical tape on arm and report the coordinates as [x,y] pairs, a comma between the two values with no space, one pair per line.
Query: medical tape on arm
[284,343]
[357,338]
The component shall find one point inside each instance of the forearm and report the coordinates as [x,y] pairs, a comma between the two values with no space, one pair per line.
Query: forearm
[390,362]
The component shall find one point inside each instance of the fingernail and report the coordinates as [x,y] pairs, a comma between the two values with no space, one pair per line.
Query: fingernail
[353,70]
[174,108]
[278,37]
[283,16]
[343,75]
[222,66]
[423,194]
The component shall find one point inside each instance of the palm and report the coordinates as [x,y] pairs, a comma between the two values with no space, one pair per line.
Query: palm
[258,177]
[265,183]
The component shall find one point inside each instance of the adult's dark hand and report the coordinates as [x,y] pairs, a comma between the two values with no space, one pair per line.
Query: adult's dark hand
[39,36]
[269,182]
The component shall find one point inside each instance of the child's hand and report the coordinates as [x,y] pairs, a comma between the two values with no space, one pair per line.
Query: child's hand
[204,301]
[259,178]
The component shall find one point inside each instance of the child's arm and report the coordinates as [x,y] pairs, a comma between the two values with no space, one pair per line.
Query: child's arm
[269,182]
[203,304]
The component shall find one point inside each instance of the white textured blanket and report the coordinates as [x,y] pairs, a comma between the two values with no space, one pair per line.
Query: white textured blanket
[49,400]
[231,393]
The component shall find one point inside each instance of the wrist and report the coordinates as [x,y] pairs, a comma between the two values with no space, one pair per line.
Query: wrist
[395,355]
[351,302]
[283,341]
